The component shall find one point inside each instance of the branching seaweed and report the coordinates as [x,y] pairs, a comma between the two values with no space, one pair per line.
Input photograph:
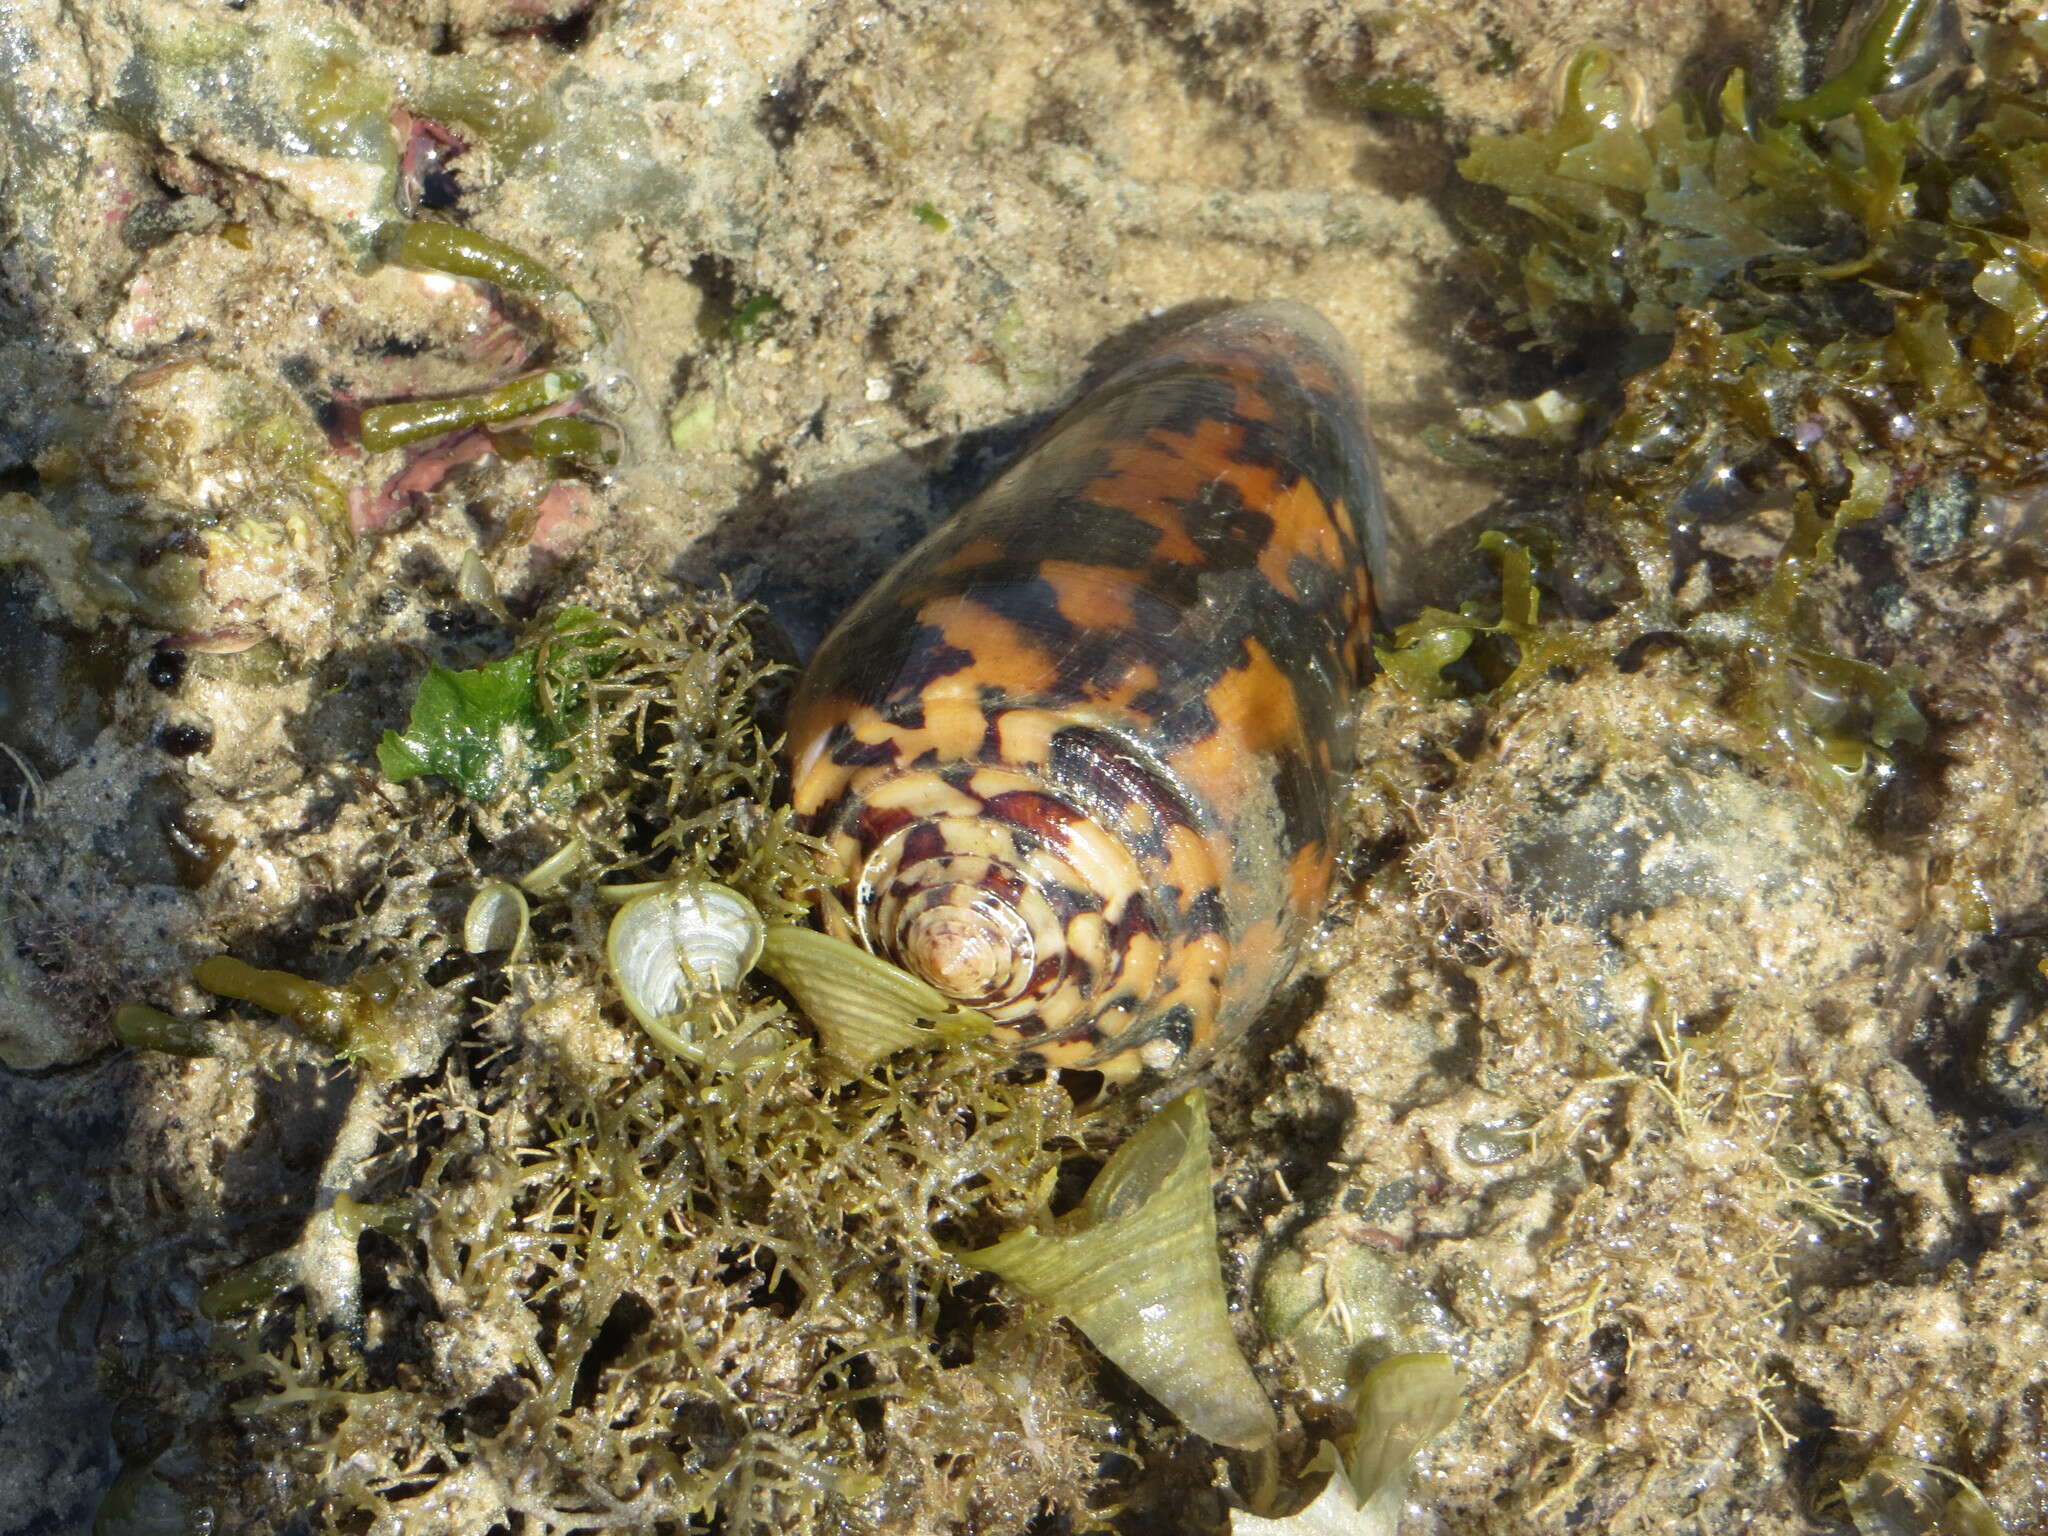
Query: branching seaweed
[565,1282]
[1851,289]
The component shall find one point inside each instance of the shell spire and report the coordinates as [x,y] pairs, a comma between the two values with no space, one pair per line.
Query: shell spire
[1076,757]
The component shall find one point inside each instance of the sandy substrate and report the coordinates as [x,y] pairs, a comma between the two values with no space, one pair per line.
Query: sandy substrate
[1694,1277]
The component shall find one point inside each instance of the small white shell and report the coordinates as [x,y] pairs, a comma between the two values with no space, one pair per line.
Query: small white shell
[547,877]
[497,919]
[680,942]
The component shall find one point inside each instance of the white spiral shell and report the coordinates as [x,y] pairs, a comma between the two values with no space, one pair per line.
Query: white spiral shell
[682,942]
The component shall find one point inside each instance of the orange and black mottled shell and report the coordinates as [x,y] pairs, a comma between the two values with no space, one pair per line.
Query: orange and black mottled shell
[1076,758]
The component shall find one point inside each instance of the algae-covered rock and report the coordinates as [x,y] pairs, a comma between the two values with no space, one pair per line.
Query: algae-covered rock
[68,177]
[1344,1305]
[1619,841]
[242,527]
[299,102]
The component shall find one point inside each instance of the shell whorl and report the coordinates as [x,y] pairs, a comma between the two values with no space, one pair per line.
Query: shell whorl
[1040,894]
[1075,758]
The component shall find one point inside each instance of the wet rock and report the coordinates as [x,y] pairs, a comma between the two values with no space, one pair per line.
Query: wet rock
[2011,1057]
[152,224]
[1623,840]
[302,105]
[1344,1304]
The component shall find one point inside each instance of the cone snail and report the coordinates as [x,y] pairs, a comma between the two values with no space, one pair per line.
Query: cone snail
[1076,757]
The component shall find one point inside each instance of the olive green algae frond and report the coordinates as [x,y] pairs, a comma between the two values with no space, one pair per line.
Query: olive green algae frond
[1828,225]
[1137,1273]
[1889,246]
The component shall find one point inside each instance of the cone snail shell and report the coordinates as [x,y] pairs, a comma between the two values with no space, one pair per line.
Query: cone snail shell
[1075,758]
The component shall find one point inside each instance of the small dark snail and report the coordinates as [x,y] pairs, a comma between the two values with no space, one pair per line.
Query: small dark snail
[1076,757]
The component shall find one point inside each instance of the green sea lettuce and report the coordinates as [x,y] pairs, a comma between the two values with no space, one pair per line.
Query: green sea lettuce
[491,729]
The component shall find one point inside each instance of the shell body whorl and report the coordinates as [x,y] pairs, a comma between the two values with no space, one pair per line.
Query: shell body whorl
[1076,757]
